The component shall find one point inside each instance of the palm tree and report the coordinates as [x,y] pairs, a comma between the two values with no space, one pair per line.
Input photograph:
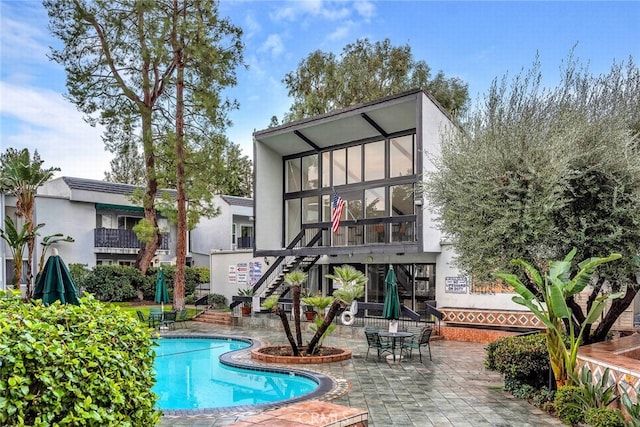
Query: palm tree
[295,279]
[20,176]
[16,241]
[271,303]
[352,284]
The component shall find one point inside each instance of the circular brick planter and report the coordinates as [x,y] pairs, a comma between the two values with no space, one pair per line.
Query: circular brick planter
[263,355]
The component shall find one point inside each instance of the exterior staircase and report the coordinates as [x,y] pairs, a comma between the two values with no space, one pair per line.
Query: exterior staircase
[215,317]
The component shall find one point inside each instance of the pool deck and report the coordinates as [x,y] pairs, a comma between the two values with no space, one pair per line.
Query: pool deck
[453,389]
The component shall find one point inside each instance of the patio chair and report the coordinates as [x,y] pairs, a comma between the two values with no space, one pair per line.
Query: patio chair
[374,341]
[143,318]
[422,339]
[181,317]
[169,319]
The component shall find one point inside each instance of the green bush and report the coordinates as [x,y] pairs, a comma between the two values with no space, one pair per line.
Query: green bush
[523,360]
[568,404]
[604,417]
[203,274]
[113,282]
[217,300]
[87,365]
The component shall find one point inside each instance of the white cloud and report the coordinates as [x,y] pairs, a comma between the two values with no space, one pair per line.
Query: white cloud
[365,9]
[342,32]
[272,44]
[294,10]
[42,120]
[251,26]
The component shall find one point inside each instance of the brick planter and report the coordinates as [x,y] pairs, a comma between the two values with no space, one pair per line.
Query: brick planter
[259,354]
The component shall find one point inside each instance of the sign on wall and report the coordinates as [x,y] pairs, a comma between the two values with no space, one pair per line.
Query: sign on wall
[456,285]
[244,273]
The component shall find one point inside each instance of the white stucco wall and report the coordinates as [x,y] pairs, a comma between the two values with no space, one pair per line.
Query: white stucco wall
[445,267]
[221,282]
[268,195]
[213,233]
[77,220]
[432,123]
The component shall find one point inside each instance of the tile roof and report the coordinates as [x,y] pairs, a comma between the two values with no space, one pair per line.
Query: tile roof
[238,201]
[104,186]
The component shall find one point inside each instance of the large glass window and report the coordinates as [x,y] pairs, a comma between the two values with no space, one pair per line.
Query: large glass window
[354,169]
[340,167]
[310,172]
[292,182]
[401,156]
[310,210]
[292,216]
[375,202]
[374,161]
[326,169]
[401,199]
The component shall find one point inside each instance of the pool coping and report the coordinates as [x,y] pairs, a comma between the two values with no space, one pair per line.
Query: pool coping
[329,387]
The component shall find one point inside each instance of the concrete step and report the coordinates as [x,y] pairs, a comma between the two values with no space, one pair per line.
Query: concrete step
[215,317]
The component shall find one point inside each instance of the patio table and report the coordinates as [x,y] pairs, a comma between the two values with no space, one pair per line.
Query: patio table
[397,338]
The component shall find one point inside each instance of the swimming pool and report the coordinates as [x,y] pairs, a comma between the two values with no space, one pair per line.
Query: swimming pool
[198,374]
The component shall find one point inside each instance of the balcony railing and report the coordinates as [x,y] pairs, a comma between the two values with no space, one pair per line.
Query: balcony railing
[245,242]
[114,238]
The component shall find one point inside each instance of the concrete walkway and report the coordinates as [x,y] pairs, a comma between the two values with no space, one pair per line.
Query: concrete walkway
[453,389]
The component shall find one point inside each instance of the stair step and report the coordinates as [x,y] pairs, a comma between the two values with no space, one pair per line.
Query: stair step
[215,317]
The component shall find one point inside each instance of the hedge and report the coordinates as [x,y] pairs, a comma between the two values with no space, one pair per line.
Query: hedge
[86,365]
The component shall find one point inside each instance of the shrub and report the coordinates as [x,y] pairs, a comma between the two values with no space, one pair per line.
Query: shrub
[84,365]
[522,359]
[203,274]
[79,273]
[604,417]
[113,282]
[632,408]
[568,404]
[217,300]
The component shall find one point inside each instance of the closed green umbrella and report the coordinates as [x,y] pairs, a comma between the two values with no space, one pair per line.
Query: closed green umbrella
[391,309]
[55,283]
[162,295]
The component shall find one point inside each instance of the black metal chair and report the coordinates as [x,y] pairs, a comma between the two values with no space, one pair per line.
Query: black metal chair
[422,340]
[374,341]
[143,318]
[181,317]
[169,319]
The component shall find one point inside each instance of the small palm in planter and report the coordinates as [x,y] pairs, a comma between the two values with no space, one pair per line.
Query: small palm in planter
[246,305]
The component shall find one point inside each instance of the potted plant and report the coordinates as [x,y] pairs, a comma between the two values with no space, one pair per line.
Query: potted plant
[309,308]
[246,305]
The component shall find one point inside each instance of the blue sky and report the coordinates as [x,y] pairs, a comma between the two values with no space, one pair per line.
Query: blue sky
[475,41]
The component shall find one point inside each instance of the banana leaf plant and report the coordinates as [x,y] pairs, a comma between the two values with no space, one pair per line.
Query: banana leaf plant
[554,288]
[17,240]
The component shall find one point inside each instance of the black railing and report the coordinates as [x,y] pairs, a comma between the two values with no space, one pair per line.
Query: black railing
[122,238]
[244,242]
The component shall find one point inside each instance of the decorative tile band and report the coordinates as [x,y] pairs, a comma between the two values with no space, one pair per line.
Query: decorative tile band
[518,319]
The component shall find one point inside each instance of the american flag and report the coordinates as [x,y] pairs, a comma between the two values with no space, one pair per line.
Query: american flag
[336,212]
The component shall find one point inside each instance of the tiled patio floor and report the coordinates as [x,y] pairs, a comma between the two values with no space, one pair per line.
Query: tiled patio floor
[453,389]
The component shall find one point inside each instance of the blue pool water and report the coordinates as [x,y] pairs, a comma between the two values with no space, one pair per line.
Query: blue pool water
[190,376]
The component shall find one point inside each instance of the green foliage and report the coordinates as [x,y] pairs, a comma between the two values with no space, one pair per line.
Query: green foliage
[79,273]
[599,394]
[85,365]
[17,240]
[604,417]
[547,300]
[364,72]
[318,302]
[632,408]
[217,300]
[567,404]
[538,171]
[523,360]
[145,231]
[203,274]
[113,282]
[246,292]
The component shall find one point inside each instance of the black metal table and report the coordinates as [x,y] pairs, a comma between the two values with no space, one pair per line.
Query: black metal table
[397,338]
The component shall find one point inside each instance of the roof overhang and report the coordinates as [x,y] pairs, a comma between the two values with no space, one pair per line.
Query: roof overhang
[380,118]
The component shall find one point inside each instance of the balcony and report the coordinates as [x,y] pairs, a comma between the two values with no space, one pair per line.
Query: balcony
[244,242]
[114,240]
